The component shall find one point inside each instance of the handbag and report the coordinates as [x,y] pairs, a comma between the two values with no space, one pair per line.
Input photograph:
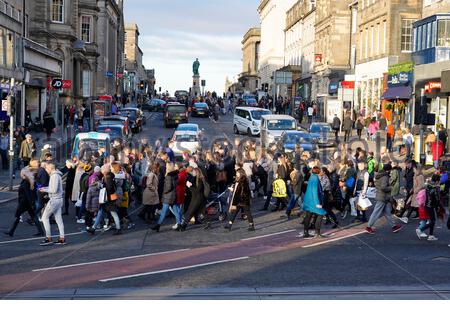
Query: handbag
[102,197]
[364,203]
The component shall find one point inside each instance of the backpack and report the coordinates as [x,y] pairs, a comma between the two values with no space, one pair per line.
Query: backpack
[350,182]
[421,197]
[279,189]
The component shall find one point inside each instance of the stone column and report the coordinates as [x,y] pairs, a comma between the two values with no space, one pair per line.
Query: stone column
[195,90]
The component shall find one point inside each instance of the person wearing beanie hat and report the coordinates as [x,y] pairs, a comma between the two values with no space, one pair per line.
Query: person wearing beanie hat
[383,201]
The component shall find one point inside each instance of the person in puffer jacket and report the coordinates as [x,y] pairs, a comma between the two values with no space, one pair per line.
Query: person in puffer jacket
[432,205]
[92,197]
[383,205]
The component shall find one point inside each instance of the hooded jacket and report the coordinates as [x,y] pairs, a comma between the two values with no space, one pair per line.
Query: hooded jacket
[383,187]
[55,187]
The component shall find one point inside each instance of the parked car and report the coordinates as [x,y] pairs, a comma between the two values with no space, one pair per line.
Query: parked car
[290,139]
[135,117]
[154,105]
[113,120]
[175,113]
[115,131]
[186,141]
[200,109]
[191,127]
[250,102]
[248,120]
[273,126]
[323,134]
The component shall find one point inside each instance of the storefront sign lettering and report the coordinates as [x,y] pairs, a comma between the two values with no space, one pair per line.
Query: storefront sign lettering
[432,85]
[400,79]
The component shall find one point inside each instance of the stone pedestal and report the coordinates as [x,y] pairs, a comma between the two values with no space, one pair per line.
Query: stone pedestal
[195,90]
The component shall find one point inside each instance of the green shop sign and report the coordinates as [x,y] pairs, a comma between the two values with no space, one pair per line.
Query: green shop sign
[401,67]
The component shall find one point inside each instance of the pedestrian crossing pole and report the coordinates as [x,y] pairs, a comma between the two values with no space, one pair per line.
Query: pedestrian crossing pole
[11,113]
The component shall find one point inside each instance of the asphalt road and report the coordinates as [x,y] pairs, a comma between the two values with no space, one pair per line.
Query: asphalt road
[272,263]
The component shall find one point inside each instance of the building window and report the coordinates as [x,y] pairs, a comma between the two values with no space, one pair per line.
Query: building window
[58,11]
[86,29]
[407,27]
[444,33]
[86,83]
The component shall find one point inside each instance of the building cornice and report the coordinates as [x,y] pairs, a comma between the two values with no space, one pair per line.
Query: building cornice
[262,5]
[252,32]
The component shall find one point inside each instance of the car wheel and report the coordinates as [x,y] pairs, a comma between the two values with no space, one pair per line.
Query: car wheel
[249,132]
[236,131]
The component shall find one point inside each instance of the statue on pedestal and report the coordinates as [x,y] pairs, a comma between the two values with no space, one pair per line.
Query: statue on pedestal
[195,67]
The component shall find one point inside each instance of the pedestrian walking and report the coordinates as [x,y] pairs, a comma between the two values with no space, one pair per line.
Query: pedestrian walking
[408,141]
[359,127]
[432,207]
[150,197]
[310,114]
[313,204]
[240,201]
[4,146]
[418,185]
[27,150]
[49,123]
[336,126]
[347,126]
[383,201]
[198,190]
[54,206]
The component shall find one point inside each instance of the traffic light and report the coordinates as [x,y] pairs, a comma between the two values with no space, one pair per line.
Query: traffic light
[142,85]
[266,87]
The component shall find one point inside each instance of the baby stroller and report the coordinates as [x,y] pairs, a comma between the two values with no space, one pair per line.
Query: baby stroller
[216,208]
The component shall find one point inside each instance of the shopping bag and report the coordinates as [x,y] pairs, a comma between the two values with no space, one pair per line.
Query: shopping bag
[364,203]
[102,196]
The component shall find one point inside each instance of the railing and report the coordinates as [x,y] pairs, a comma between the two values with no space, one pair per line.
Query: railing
[10,11]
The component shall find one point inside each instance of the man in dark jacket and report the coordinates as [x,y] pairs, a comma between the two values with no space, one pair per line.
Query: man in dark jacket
[383,201]
[336,126]
[347,127]
[110,205]
[49,123]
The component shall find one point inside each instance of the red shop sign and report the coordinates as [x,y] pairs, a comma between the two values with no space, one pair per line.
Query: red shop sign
[348,84]
[318,58]
[432,85]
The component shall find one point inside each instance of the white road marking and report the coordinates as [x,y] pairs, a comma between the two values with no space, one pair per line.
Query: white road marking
[269,235]
[174,269]
[37,238]
[109,260]
[333,240]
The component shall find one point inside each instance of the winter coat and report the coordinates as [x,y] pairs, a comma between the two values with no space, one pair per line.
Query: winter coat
[110,185]
[409,177]
[92,197]
[49,122]
[84,185]
[242,193]
[383,187]
[419,182]
[150,195]
[336,125]
[55,188]
[197,200]
[347,125]
[297,182]
[181,187]
[433,201]
[27,151]
[169,195]
[395,182]
[76,185]
[314,196]
[27,197]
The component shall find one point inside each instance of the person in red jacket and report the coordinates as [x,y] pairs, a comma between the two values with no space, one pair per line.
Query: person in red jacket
[181,189]
[438,150]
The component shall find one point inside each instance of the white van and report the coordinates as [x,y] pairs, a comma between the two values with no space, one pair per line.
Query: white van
[248,120]
[273,127]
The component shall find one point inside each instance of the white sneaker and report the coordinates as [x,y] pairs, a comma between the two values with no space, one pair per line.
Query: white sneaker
[106,227]
[432,238]
[420,234]
[404,220]
[175,226]
[265,197]
[80,221]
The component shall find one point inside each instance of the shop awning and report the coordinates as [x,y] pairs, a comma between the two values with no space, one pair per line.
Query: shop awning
[402,92]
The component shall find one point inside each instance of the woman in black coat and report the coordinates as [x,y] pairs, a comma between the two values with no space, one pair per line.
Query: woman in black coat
[240,200]
[27,199]
[169,196]
[69,169]
[196,187]
[49,123]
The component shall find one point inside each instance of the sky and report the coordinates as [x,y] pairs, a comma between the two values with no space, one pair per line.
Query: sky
[175,32]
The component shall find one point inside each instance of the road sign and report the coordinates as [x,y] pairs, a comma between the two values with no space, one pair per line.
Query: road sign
[109,74]
[66,84]
[57,84]
[203,83]
[4,105]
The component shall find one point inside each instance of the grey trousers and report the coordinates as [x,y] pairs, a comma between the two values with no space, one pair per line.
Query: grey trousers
[381,208]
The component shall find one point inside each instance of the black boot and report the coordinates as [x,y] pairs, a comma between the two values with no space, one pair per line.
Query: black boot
[9,234]
[251,227]
[228,226]
[156,227]
[306,234]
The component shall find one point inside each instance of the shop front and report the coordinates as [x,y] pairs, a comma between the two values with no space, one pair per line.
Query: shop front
[397,99]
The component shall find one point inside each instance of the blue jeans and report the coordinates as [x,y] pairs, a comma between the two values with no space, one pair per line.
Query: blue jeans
[295,199]
[98,218]
[177,210]
[165,211]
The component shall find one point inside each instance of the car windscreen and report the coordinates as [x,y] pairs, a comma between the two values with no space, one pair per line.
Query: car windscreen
[320,129]
[186,138]
[92,144]
[201,105]
[281,124]
[257,114]
[187,128]
[251,101]
[177,109]
[128,113]
[112,131]
[296,138]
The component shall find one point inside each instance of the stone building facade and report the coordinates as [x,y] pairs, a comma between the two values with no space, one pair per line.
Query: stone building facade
[135,70]
[250,60]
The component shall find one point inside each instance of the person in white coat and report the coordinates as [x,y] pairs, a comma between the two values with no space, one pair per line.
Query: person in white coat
[362,183]
[54,206]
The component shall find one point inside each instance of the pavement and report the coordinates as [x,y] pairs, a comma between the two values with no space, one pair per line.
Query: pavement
[274,262]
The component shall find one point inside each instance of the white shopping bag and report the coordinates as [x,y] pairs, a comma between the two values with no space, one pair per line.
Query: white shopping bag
[364,203]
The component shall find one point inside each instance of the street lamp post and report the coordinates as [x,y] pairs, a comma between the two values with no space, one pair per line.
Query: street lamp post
[11,132]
